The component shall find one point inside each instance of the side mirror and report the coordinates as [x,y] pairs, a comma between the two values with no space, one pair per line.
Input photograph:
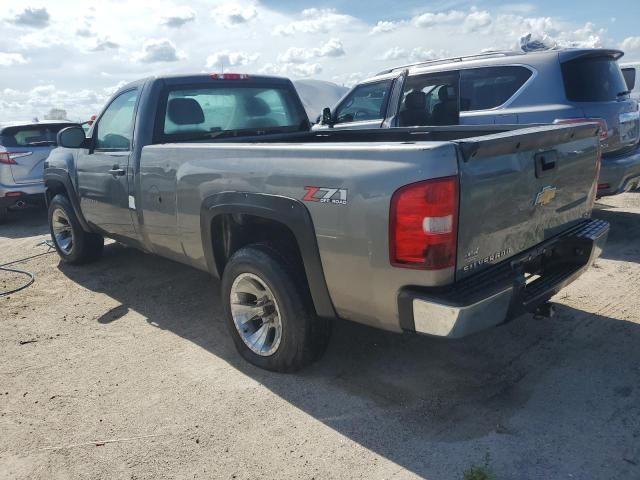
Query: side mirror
[72,137]
[327,118]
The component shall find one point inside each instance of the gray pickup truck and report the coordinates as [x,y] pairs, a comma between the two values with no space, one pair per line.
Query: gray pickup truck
[443,231]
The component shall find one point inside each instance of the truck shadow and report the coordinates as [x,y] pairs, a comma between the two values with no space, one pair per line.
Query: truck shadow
[410,399]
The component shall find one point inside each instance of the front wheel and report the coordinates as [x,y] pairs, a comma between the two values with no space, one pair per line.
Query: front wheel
[269,314]
[73,244]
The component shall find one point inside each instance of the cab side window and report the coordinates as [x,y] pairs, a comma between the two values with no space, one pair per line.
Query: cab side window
[115,127]
[366,102]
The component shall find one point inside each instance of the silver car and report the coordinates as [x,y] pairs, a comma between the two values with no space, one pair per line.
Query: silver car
[24,147]
[552,86]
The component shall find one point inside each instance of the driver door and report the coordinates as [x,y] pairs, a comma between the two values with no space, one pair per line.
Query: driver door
[104,170]
[364,107]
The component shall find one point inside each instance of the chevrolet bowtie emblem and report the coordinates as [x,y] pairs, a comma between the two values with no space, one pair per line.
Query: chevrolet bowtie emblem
[545,196]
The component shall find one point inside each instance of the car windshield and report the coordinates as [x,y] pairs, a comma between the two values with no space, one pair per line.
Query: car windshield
[207,113]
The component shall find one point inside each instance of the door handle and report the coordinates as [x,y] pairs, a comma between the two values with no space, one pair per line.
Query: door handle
[545,162]
[117,171]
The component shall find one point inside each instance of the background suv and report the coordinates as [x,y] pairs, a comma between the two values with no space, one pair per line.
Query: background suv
[23,149]
[561,86]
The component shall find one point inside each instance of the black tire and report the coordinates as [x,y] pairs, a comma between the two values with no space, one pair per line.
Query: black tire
[304,335]
[86,247]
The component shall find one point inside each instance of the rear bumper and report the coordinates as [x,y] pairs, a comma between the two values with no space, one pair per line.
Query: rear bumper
[502,292]
[28,192]
[619,175]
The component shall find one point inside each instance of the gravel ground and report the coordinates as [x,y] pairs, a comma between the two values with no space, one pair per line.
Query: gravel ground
[123,369]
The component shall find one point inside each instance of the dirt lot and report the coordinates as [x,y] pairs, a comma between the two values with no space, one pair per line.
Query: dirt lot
[123,369]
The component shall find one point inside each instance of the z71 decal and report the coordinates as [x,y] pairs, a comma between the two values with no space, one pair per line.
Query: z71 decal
[336,196]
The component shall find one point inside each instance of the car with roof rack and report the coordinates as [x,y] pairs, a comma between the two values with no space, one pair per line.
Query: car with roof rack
[507,87]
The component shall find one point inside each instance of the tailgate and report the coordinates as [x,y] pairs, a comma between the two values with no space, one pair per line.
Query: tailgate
[520,188]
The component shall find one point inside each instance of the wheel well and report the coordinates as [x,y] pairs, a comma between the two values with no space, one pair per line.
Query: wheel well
[232,231]
[53,188]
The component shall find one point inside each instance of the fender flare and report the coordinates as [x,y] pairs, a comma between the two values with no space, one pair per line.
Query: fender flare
[62,176]
[290,212]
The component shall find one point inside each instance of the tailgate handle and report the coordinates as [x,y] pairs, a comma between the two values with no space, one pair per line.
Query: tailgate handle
[545,162]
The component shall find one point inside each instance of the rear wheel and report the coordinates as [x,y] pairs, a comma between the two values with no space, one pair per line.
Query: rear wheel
[72,243]
[269,314]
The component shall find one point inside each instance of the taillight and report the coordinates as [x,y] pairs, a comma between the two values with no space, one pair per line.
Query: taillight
[230,76]
[424,223]
[604,129]
[9,158]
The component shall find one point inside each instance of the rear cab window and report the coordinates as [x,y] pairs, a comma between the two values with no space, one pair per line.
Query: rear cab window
[365,102]
[229,109]
[32,135]
[593,79]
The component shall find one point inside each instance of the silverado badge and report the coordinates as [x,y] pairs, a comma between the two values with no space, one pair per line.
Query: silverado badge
[545,196]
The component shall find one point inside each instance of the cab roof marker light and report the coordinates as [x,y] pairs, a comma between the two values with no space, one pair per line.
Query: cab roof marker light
[230,76]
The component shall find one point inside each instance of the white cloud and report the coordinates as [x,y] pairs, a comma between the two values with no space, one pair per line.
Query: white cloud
[301,70]
[75,52]
[226,58]
[630,46]
[35,102]
[104,44]
[8,59]
[429,19]
[315,20]
[384,26]
[295,55]
[477,20]
[305,69]
[333,48]
[413,55]
[32,17]
[231,15]
[159,50]
[179,17]
[84,32]
[395,53]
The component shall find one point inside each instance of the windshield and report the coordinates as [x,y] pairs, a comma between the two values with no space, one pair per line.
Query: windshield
[207,113]
[593,79]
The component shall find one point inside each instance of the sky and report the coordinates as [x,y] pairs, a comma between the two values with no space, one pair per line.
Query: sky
[74,55]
